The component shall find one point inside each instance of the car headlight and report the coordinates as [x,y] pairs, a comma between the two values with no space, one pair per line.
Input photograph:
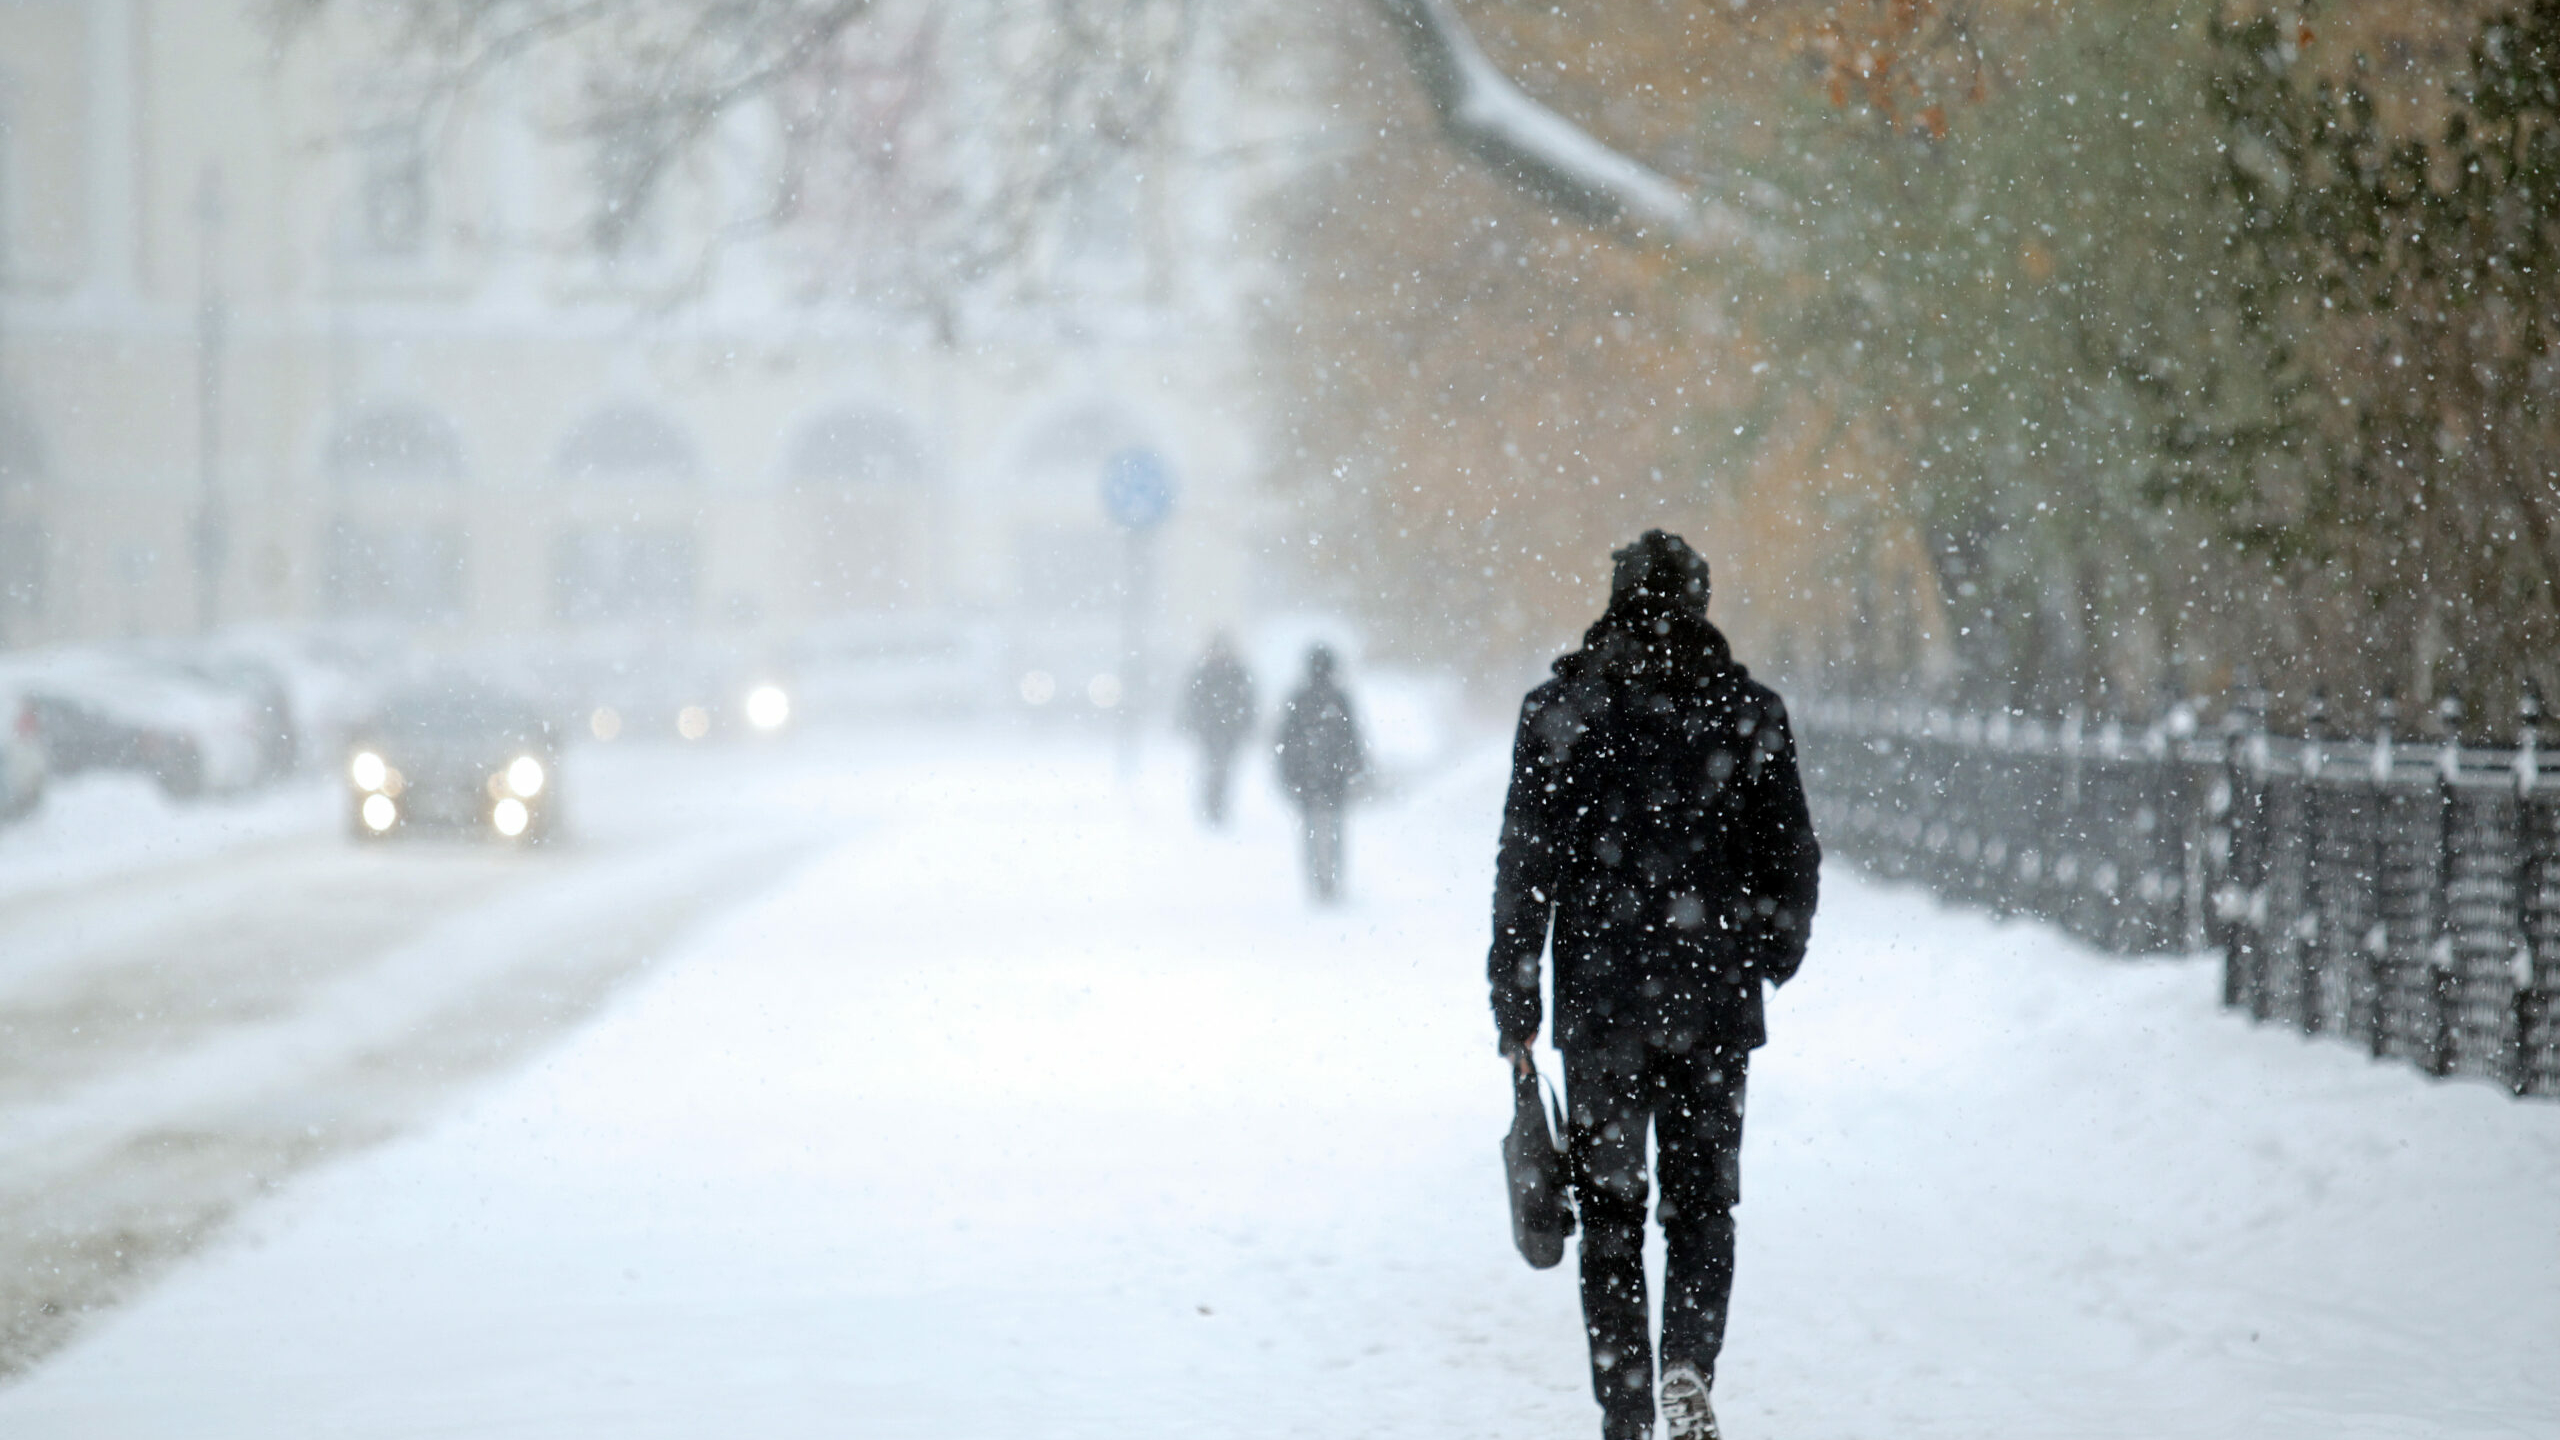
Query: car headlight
[378,813]
[524,776]
[768,708]
[693,722]
[510,816]
[368,770]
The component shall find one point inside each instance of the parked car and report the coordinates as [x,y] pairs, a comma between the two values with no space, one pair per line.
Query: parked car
[23,765]
[257,683]
[333,679]
[457,754]
[96,710]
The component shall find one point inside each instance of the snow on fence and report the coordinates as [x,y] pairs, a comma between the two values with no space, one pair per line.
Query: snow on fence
[2403,896]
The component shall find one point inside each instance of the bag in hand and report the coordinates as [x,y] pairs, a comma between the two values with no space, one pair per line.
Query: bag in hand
[1533,1155]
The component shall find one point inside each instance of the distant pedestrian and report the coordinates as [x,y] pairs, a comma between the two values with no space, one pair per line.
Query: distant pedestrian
[1217,712]
[1657,826]
[1320,756]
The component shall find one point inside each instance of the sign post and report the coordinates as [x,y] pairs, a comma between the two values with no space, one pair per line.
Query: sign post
[1137,495]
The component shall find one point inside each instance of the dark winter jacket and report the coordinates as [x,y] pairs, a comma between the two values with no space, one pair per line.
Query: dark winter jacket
[1319,746]
[1657,824]
[1217,710]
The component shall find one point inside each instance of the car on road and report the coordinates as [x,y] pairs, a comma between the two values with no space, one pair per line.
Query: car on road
[333,677]
[459,755]
[248,679]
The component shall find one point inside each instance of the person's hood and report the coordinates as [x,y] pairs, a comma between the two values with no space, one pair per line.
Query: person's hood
[1655,628]
[1614,650]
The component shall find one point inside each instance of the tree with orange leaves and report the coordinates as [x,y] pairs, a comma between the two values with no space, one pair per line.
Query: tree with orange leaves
[1900,430]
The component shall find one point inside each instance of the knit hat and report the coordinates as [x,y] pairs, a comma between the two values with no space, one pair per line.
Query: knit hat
[1659,568]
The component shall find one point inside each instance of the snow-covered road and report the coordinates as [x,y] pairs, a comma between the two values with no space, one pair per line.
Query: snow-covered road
[198,1003]
[1024,1109]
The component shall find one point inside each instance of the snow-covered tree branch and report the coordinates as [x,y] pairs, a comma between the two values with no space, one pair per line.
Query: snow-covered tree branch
[1548,155]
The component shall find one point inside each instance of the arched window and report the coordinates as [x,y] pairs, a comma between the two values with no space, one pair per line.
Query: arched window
[634,570]
[400,444]
[405,571]
[408,568]
[619,574]
[622,443]
[856,445]
[863,510]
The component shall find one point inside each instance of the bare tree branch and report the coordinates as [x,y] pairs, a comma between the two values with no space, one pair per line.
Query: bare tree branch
[1550,157]
[919,174]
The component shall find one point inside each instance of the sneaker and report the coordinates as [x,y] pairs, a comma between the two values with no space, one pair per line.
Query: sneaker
[1685,1412]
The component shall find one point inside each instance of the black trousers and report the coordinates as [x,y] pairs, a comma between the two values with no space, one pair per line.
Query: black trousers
[1323,817]
[1693,1104]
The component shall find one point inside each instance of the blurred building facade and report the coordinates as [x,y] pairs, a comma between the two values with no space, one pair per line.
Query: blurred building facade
[280,341]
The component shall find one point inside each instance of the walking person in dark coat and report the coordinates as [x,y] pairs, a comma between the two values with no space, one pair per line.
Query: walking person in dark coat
[1320,756]
[1217,711]
[1657,827]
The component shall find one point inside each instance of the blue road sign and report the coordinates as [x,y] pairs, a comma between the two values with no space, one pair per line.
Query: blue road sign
[1137,489]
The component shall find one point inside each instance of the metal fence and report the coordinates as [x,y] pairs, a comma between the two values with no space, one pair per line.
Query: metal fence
[2402,896]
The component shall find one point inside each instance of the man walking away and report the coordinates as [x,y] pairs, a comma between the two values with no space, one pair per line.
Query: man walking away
[1217,711]
[1320,755]
[1657,826]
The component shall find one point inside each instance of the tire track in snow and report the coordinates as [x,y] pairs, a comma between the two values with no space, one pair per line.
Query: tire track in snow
[116,1171]
[109,981]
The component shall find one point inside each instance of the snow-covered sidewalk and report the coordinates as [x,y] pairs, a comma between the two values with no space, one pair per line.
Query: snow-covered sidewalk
[1031,1111]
